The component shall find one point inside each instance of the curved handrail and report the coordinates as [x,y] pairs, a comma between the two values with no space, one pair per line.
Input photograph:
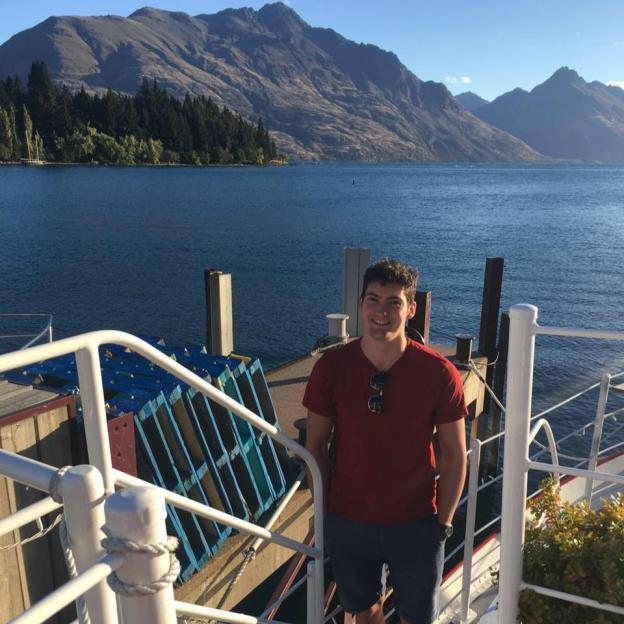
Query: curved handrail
[34,337]
[542,423]
[85,346]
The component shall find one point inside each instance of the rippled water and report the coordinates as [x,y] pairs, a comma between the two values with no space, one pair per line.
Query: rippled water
[125,248]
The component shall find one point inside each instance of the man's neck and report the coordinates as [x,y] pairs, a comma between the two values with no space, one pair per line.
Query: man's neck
[383,353]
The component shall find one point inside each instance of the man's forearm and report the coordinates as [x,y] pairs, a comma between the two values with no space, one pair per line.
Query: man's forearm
[322,459]
[450,486]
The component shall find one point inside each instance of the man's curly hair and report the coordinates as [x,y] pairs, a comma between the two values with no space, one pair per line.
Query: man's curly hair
[389,271]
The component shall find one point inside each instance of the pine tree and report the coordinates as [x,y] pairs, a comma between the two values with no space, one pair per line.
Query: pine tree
[6,136]
[28,133]
[16,143]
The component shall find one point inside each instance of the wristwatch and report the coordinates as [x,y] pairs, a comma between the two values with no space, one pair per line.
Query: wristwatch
[447,530]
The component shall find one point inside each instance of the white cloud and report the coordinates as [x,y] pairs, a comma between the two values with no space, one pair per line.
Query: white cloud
[616,83]
[618,43]
[457,79]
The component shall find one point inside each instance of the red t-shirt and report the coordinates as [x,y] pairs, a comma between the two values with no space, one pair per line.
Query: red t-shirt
[384,470]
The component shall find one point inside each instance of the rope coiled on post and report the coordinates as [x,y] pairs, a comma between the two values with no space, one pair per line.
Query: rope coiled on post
[118,544]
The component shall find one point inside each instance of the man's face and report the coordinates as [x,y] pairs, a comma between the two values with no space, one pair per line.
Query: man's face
[385,310]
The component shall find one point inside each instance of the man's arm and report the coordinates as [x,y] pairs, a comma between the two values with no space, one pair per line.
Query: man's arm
[318,433]
[452,468]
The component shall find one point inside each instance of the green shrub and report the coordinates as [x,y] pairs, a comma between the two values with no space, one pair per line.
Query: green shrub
[572,548]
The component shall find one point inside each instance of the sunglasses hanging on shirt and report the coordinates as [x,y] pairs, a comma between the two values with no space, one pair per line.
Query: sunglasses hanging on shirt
[377,382]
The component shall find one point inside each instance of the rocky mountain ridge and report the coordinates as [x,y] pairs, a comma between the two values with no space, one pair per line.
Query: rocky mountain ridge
[322,96]
[564,117]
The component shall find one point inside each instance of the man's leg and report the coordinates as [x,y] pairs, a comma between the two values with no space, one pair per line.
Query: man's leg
[372,615]
[354,551]
[415,555]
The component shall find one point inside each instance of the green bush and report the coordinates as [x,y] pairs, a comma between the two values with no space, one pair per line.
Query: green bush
[572,548]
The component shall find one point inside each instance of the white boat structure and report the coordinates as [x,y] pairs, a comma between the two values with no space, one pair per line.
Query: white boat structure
[124,566]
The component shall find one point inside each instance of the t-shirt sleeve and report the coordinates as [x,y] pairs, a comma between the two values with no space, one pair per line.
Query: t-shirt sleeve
[451,405]
[318,396]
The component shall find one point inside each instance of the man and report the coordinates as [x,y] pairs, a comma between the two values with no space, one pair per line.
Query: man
[382,396]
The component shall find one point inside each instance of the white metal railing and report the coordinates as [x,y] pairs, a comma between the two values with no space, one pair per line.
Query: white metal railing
[87,358]
[522,332]
[46,331]
[474,456]
[85,348]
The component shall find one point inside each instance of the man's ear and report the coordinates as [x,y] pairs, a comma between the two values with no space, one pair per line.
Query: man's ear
[411,310]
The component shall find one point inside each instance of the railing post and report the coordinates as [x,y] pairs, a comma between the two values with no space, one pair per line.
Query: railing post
[311,594]
[94,413]
[598,423]
[82,491]
[138,514]
[522,318]
[471,514]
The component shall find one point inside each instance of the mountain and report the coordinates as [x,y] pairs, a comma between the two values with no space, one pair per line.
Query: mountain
[564,117]
[471,100]
[322,96]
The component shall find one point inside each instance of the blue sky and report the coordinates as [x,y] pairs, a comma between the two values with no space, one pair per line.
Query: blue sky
[485,46]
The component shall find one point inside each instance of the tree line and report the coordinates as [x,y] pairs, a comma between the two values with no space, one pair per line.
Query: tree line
[45,121]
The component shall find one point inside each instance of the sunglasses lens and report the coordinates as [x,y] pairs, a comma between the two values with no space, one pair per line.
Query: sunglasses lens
[375,404]
[378,380]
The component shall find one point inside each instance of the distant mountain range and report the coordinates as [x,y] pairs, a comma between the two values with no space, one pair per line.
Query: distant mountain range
[564,118]
[471,100]
[321,95]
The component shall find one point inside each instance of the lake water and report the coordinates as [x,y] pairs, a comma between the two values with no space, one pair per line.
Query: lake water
[125,248]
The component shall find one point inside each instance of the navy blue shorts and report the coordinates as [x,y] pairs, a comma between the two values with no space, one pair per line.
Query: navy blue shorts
[414,552]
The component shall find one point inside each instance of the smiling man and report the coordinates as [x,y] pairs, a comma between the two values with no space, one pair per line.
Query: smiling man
[383,396]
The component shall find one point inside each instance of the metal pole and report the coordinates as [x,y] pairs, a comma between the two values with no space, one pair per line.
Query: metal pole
[82,490]
[94,412]
[138,514]
[523,319]
[598,422]
[311,594]
[471,514]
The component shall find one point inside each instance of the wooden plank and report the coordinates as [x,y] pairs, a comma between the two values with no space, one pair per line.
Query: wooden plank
[13,390]
[16,403]
[420,321]
[34,566]
[13,601]
[355,262]
[54,448]
[219,325]
[490,305]
[192,444]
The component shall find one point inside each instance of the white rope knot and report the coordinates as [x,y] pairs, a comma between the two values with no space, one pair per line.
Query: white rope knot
[55,495]
[55,481]
[118,544]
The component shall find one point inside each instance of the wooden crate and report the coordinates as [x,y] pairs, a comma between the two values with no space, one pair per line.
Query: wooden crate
[29,572]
